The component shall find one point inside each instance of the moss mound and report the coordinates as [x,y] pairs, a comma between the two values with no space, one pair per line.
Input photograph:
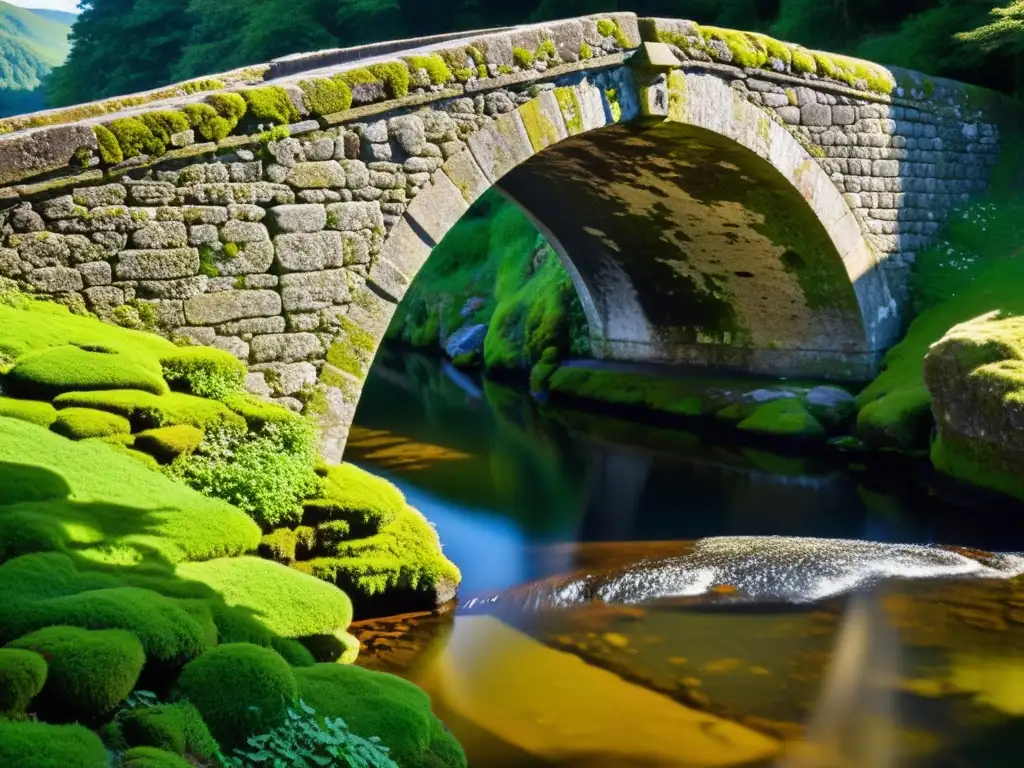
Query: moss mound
[376,704]
[82,423]
[784,418]
[175,728]
[49,372]
[149,757]
[204,372]
[364,501]
[288,603]
[22,675]
[89,672]
[39,745]
[240,690]
[31,411]
[168,443]
[147,411]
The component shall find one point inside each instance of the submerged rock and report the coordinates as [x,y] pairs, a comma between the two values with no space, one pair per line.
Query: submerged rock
[975,375]
[466,341]
[832,406]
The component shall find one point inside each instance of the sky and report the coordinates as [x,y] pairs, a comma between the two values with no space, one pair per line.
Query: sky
[56,5]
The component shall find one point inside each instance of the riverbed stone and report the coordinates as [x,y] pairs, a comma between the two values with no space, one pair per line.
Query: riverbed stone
[467,340]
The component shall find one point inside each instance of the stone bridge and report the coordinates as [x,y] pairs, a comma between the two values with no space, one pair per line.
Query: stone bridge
[718,197]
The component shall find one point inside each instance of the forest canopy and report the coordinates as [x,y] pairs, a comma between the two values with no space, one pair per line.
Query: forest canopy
[122,46]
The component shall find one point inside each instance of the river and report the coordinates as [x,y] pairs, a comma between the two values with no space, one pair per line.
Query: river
[639,596]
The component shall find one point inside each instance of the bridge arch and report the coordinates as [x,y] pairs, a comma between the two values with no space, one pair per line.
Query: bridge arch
[695,227]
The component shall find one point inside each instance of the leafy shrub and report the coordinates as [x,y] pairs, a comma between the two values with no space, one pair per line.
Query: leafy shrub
[205,372]
[305,741]
[240,690]
[89,671]
[266,475]
[22,675]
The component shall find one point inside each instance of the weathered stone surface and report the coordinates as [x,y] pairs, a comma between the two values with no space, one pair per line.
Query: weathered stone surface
[96,273]
[161,234]
[253,326]
[157,265]
[305,291]
[63,207]
[285,348]
[307,252]
[286,379]
[316,175]
[232,345]
[257,384]
[41,249]
[197,334]
[355,215]
[246,212]
[298,218]
[205,214]
[152,193]
[56,279]
[24,219]
[94,197]
[216,308]
[10,263]
[252,258]
[28,154]
[202,234]
[408,132]
[235,231]
[183,288]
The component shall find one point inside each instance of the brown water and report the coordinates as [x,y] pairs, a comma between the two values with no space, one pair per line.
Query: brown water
[600,626]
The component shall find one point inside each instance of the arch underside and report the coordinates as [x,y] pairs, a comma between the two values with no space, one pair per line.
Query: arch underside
[688,248]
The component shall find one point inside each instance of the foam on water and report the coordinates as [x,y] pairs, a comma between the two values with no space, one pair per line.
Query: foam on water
[759,568]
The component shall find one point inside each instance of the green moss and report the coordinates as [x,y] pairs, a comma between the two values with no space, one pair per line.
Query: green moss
[631,390]
[382,705]
[540,129]
[746,50]
[270,103]
[902,419]
[89,672]
[150,757]
[290,604]
[544,369]
[31,411]
[504,69]
[614,108]
[261,689]
[365,501]
[110,150]
[977,463]
[207,261]
[168,443]
[39,745]
[586,52]
[176,728]
[204,372]
[286,545]
[164,124]
[437,70]
[352,350]
[135,138]
[82,423]
[148,411]
[395,76]
[546,51]
[611,28]
[784,418]
[22,675]
[207,122]
[50,372]
[463,74]
[326,96]
[523,58]
[257,413]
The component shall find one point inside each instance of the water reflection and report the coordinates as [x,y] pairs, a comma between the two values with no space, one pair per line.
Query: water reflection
[683,642]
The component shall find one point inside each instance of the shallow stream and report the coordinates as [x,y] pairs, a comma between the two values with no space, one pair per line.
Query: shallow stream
[636,596]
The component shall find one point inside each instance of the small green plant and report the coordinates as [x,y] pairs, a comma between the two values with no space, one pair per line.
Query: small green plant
[305,741]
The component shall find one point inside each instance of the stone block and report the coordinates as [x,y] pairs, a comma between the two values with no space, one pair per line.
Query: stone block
[438,207]
[307,291]
[199,335]
[298,218]
[304,321]
[152,193]
[232,345]
[63,207]
[245,173]
[235,231]
[10,263]
[56,279]
[257,385]
[42,249]
[205,214]
[157,265]
[246,212]
[501,145]
[24,219]
[466,174]
[253,326]
[30,153]
[264,193]
[309,252]
[102,299]
[542,118]
[408,133]
[96,273]
[94,197]
[160,234]
[203,234]
[790,115]
[285,348]
[182,288]
[354,216]
[110,242]
[356,173]
[216,308]
[322,174]
[252,258]
[204,173]
[288,378]
[261,281]
[815,114]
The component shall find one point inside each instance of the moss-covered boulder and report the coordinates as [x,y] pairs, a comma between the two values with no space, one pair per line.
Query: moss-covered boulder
[176,728]
[785,417]
[22,675]
[89,672]
[240,690]
[28,744]
[975,375]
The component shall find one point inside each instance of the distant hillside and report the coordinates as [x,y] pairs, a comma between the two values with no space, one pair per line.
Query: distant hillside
[61,17]
[31,44]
